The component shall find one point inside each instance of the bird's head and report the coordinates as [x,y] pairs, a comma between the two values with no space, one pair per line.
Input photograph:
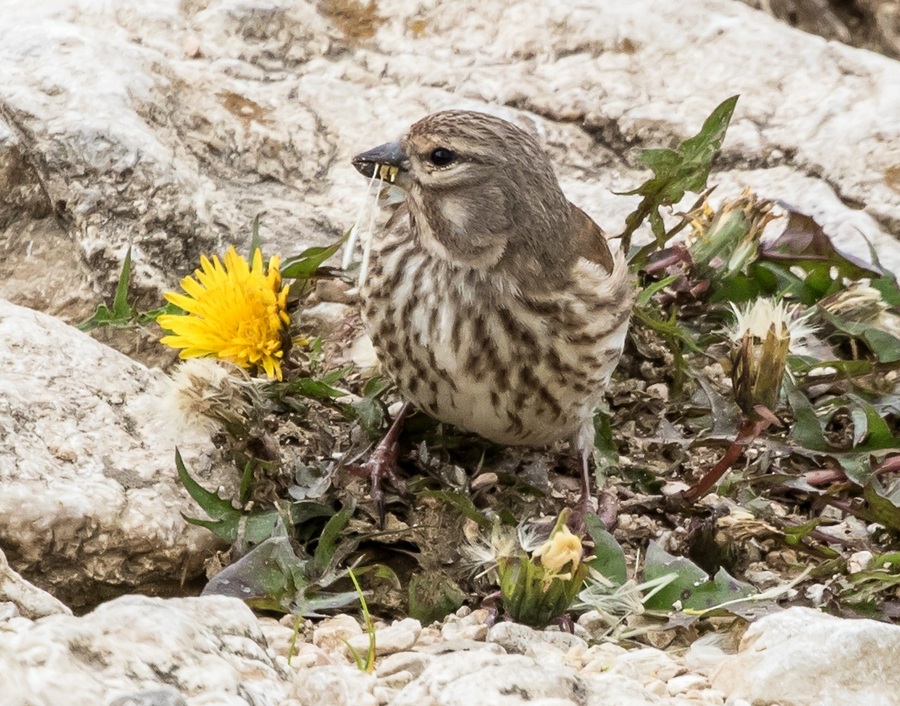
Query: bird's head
[481,192]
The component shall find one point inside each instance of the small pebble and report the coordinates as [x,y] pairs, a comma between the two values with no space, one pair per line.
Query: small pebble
[331,633]
[412,662]
[397,637]
[685,682]
[517,638]
[547,654]
[647,664]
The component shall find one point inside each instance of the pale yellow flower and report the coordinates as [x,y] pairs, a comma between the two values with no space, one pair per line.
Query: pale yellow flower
[560,550]
[235,312]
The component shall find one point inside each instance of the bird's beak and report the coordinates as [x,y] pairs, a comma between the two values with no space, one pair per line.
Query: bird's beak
[384,162]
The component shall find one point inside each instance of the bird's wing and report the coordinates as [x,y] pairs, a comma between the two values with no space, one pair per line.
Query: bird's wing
[590,242]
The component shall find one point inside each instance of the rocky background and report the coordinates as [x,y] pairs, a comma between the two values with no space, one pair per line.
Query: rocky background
[168,126]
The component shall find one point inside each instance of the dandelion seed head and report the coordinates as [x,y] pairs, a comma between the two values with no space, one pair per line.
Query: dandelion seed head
[762,315]
[201,396]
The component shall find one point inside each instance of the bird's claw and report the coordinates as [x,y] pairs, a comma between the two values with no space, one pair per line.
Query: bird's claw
[383,463]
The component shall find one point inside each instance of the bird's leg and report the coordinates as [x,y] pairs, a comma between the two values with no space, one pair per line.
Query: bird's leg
[383,461]
[607,504]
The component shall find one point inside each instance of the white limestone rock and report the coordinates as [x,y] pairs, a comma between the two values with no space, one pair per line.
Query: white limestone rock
[479,677]
[806,658]
[184,652]
[169,125]
[518,638]
[90,505]
[29,600]
[399,636]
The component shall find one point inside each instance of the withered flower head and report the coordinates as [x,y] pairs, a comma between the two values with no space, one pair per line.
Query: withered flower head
[764,332]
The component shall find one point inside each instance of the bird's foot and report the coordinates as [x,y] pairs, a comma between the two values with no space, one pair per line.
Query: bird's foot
[383,463]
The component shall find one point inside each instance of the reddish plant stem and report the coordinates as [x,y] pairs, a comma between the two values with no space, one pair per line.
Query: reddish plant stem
[750,429]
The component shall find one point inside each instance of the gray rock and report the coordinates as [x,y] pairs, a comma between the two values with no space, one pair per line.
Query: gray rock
[518,638]
[90,505]
[806,658]
[465,678]
[397,637]
[144,651]
[154,697]
[168,125]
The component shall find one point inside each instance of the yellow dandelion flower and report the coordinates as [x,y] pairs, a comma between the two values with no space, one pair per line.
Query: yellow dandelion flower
[235,312]
[562,549]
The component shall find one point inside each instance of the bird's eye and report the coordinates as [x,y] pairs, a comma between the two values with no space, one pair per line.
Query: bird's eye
[441,156]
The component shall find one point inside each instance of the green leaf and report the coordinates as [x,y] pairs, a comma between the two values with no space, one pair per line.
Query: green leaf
[214,506]
[887,285]
[875,434]
[306,387]
[883,344]
[884,510]
[122,313]
[692,587]
[336,375]
[370,410]
[326,550]
[227,522]
[646,294]
[609,557]
[807,431]
[604,443]
[273,577]
[304,265]
[659,563]
[268,577]
[686,168]
[148,317]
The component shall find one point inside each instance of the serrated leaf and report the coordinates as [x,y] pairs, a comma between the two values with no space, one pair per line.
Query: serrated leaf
[227,522]
[213,505]
[686,168]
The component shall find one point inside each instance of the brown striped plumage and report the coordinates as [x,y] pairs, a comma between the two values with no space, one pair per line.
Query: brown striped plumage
[493,302]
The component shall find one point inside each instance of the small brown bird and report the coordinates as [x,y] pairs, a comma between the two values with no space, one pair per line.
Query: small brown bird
[493,302]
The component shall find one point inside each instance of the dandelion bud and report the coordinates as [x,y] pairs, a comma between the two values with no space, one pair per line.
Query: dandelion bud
[765,332]
[539,586]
